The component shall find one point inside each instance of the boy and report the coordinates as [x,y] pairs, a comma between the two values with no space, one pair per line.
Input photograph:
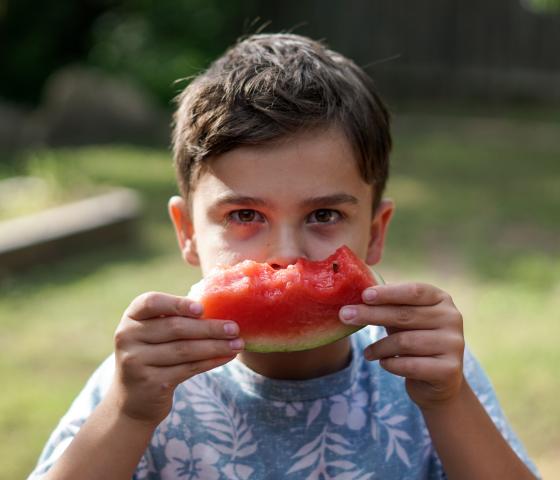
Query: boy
[281,150]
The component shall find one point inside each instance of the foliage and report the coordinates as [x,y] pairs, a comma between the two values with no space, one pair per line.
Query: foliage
[36,38]
[154,42]
[543,6]
[158,43]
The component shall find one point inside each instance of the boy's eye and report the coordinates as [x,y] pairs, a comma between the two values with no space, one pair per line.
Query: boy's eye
[246,216]
[324,215]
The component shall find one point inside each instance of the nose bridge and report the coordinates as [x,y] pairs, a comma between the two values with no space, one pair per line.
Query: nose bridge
[286,245]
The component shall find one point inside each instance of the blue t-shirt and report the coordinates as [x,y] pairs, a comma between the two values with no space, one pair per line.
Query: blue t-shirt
[232,423]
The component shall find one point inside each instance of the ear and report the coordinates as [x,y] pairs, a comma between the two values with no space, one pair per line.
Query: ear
[184,229]
[378,231]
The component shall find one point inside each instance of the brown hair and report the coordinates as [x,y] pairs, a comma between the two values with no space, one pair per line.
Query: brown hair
[271,85]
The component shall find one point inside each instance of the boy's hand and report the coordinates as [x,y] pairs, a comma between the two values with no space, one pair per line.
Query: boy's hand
[425,342]
[160,343]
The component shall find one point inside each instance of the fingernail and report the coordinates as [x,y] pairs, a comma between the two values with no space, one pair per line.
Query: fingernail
[236,344]
[348,313]
[231,329]
[369,295]
[369,354]
[195,308]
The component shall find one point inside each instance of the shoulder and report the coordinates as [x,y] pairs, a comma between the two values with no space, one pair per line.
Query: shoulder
[95,388]
[69,425]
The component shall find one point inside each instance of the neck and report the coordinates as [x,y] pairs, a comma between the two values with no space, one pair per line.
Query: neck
[300,365]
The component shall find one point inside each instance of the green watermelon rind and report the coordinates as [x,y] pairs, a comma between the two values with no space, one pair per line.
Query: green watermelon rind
[299,346]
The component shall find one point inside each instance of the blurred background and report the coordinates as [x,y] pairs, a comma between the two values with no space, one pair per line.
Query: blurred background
[86,91]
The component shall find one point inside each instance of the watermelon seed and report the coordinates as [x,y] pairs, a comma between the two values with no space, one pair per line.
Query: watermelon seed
[335,267]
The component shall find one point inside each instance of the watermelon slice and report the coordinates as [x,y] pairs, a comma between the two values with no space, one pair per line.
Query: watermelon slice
[288,309]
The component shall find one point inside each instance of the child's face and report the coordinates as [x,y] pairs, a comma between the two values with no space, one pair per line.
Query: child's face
[302,196]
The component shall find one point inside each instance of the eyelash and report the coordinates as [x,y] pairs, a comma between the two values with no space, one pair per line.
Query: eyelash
[233,216]
[338,216]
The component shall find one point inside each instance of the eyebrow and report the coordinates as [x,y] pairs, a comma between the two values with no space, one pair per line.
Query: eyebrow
[234,199]
[330,200]
[312,202]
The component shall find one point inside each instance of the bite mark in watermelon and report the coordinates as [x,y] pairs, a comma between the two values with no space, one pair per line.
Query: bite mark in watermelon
[288,309]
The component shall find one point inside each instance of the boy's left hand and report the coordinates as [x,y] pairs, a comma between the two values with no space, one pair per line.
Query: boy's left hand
[425,342]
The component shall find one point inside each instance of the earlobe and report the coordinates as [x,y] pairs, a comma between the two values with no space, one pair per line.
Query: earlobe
[378,231]
[184,229]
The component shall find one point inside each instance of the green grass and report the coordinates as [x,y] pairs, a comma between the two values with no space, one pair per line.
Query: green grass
[477,214]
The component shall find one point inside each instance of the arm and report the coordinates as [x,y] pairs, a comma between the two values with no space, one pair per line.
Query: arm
[109,445]
[159,344]
[468,443]
[425,345]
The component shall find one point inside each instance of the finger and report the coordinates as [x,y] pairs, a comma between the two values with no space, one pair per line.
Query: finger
[415,343]
[190,351]
[156,304]
[168,329]
[177,374]
[403,294]
[402,317]
[429,369]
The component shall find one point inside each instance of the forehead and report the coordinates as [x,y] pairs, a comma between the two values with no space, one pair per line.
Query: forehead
[309,164]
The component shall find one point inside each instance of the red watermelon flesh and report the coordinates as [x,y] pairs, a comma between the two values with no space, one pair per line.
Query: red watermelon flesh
[288,309]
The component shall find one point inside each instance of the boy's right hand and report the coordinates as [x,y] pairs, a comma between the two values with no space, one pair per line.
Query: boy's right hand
[161,342]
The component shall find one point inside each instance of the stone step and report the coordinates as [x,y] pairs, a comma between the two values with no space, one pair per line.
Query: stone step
[106,219]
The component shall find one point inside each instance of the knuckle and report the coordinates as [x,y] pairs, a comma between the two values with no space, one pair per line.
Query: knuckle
[216,329]
[410,367]
[148,300]
[418,290]
[131,369]
[455,319]
[405,341]
[403,315]
[458,318]
[219,349]
[181,349]
[120,337]
[454,365]
[176,308]
[128,360]
[175,326]
[447,298]
[459,343]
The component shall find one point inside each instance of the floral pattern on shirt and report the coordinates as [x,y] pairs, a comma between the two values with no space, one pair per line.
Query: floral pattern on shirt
[232,424]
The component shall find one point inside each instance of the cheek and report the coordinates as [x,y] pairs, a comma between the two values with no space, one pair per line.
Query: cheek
[321,244]
[228,247]
[243,233]
[211,246]
[357,239]
[212,256]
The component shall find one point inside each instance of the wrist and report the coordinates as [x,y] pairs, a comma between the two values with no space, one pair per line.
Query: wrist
[124,414]
[448,403]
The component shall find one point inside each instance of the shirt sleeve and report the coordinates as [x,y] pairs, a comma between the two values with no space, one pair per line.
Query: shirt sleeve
[71,422]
